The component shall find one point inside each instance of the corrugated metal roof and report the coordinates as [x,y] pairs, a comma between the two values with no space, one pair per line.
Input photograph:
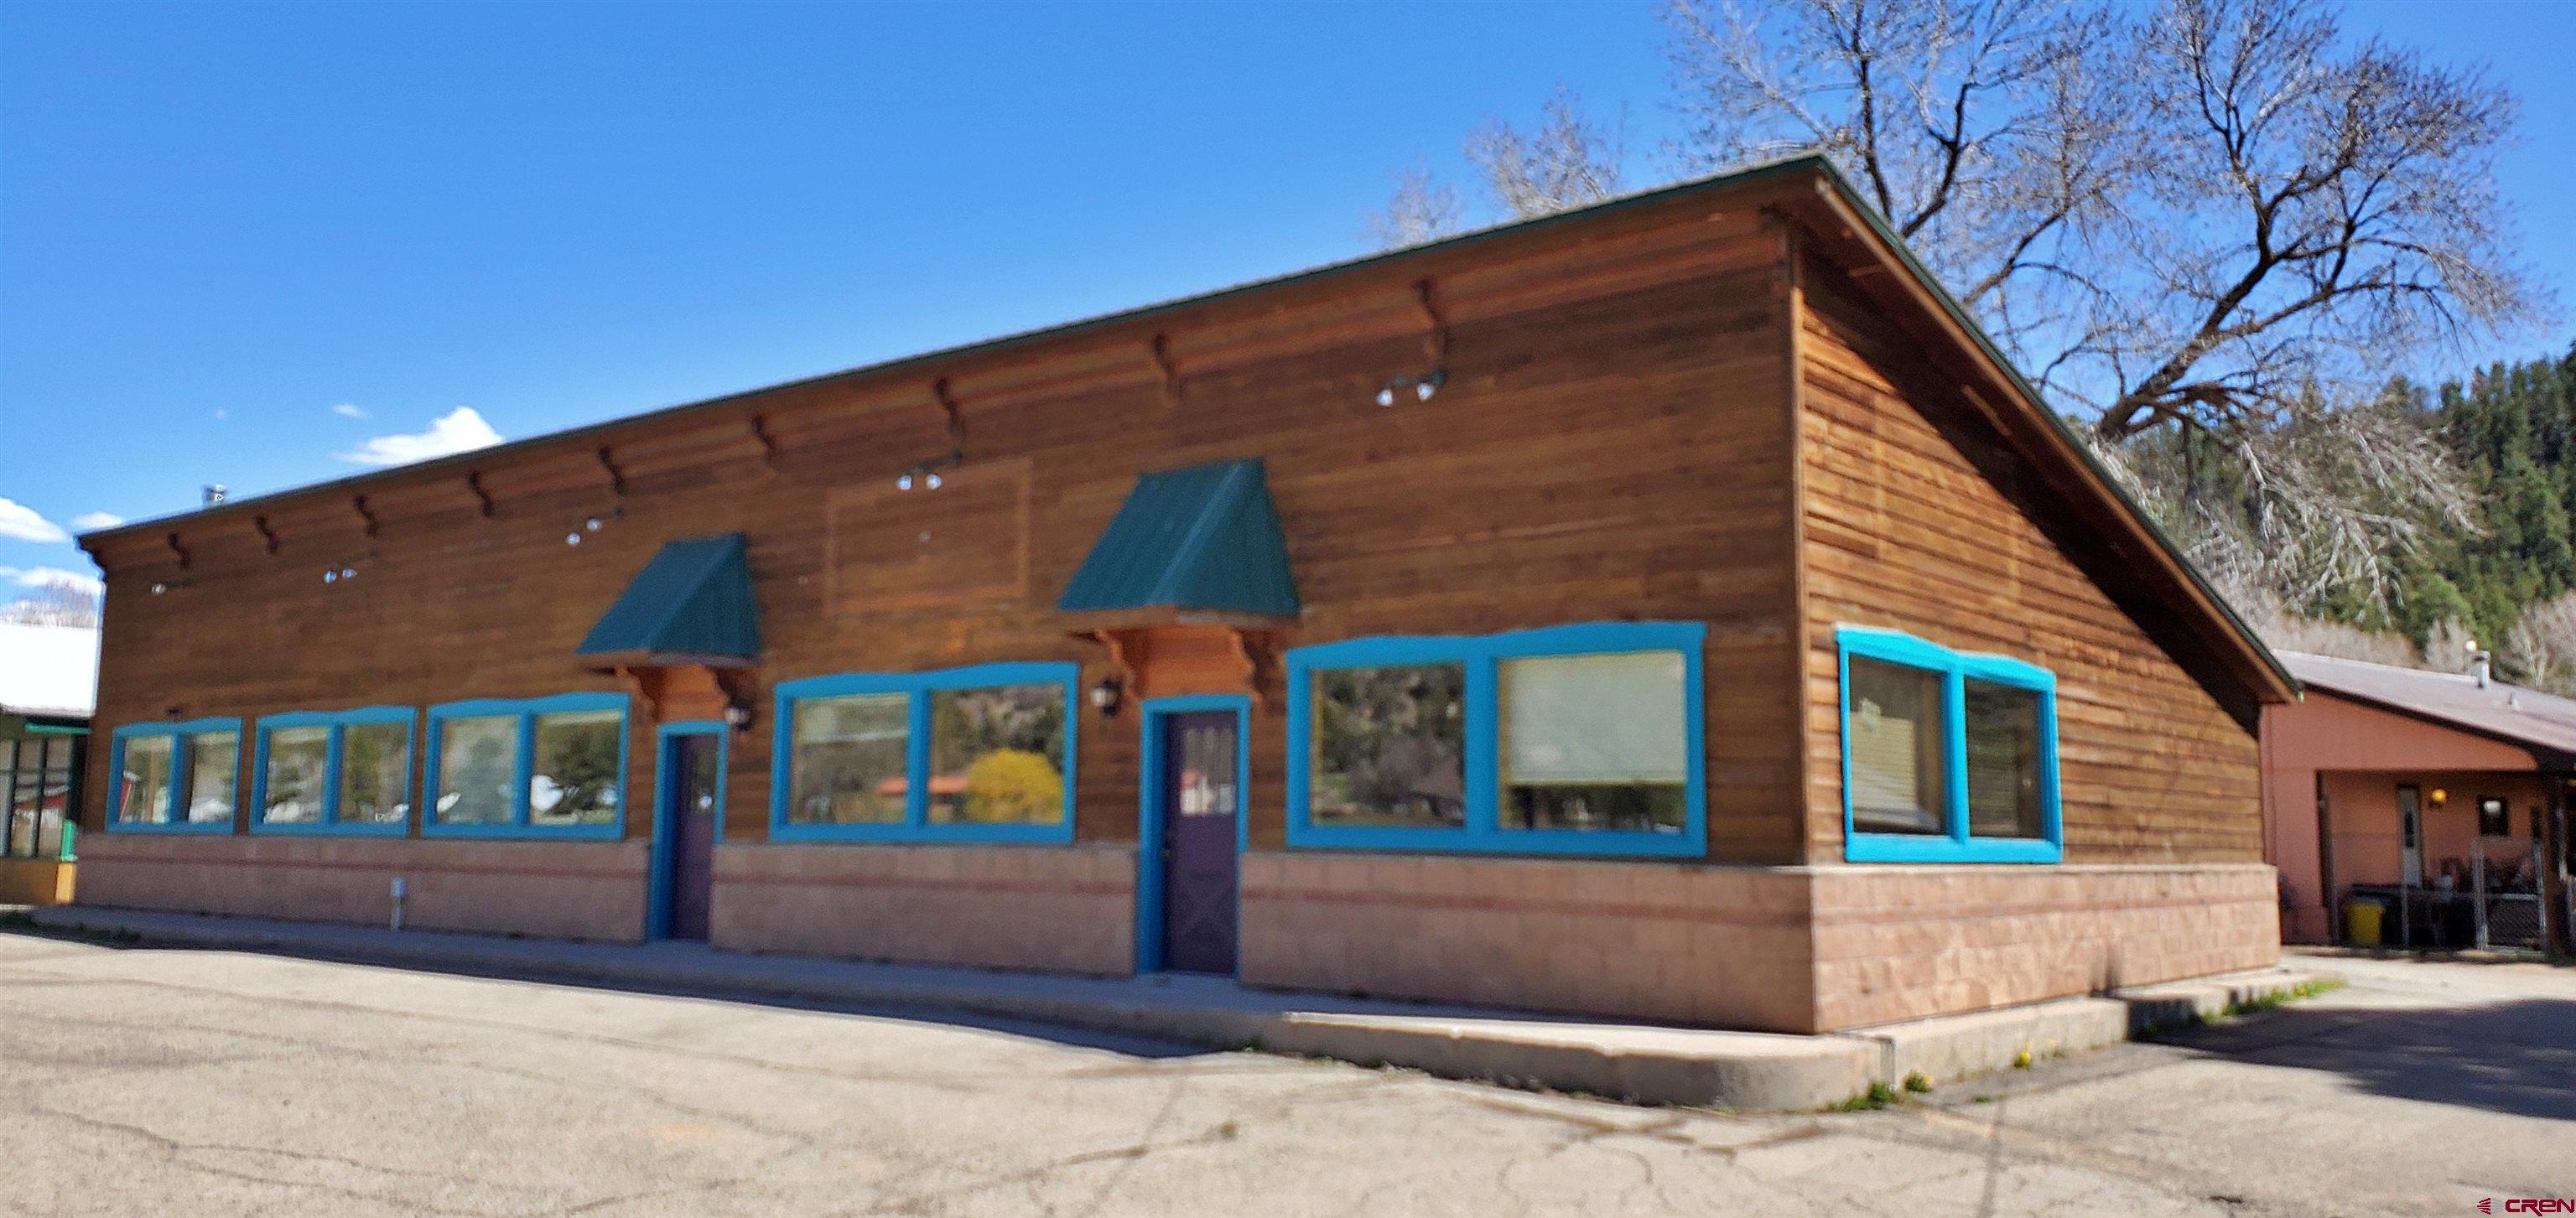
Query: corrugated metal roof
[2494,709]
[693,598]
[1206,537]
[48,670]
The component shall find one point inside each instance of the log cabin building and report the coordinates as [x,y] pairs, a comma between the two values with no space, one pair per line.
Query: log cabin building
[1670,610]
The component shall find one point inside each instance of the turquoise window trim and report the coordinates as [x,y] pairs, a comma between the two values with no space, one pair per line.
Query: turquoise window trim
[178,779]
[1482,657]
[1152,882]
[526,711]
[1957,668]
[338,722]
[916,825]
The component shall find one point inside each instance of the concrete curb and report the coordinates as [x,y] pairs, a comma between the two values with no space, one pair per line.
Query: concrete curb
[1754,1071]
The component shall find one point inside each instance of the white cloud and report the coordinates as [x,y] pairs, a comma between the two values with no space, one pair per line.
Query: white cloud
[350,410]
[20,521]
[459,430]
[39,577]
[96,520]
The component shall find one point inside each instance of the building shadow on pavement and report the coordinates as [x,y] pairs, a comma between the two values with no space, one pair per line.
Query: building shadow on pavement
[2513,1057]
[537,973]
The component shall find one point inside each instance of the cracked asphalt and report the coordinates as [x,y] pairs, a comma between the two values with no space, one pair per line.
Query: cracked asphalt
[213,1083]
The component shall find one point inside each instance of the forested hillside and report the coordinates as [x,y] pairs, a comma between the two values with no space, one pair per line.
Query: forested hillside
[2402,529]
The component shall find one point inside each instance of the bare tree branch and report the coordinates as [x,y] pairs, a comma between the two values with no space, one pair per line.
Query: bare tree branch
[1421,210]
[2252,204]
[1568,161]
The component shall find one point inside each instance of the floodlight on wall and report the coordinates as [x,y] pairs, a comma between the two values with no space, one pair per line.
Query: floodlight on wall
[1422,387]
[591,524]
[926,474]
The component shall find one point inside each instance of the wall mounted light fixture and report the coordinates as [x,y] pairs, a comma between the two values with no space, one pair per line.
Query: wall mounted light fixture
[1421,387]
[591,524]
[926,474]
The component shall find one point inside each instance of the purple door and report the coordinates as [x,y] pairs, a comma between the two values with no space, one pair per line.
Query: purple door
[691,779]
[1202,797]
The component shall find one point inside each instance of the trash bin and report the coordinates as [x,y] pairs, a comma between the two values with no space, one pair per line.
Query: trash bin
[2361,921]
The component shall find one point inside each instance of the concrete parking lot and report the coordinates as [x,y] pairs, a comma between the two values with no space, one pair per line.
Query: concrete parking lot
[216,1083]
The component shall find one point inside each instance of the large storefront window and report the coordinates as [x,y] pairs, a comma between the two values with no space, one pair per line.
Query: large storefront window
[36,777]
[1390,746]
[964,754]
[1948,756]
[1579,739]
[175,777]
[542,767]
[850,757]
[334,772]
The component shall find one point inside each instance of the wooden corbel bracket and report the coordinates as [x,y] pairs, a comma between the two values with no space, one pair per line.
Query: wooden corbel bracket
[1170,372]
[1435,344]
[956,416]
[616,472]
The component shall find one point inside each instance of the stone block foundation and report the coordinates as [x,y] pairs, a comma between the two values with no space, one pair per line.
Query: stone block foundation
[1896,943]
[566,890]
[1662,942]
[1786,949]
[1065,909]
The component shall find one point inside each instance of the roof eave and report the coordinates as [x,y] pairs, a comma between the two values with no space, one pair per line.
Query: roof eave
[2544,756]
[1731,180]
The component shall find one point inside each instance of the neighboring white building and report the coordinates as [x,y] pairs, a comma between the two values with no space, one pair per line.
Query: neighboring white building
[48,671]
[48,687]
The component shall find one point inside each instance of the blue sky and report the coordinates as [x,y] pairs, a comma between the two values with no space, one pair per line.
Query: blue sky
[264,245]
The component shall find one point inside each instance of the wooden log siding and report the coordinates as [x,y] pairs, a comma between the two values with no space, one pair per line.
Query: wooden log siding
[1609,444]
[1901,530]
[1680,409]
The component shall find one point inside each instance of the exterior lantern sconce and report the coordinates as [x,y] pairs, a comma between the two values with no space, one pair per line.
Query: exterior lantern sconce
[2437,797]
[738,716]
[1108,696]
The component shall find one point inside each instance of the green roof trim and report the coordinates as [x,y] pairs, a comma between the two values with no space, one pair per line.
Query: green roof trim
[692,599]
[1204,538]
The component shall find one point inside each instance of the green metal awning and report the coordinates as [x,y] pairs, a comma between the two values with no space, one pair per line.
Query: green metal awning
[1204,538]
[692,601]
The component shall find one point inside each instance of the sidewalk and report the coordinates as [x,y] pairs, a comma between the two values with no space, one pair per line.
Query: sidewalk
[1643,1064]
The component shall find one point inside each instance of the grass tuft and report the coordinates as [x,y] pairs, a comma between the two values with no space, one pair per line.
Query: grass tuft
[1879,1095]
